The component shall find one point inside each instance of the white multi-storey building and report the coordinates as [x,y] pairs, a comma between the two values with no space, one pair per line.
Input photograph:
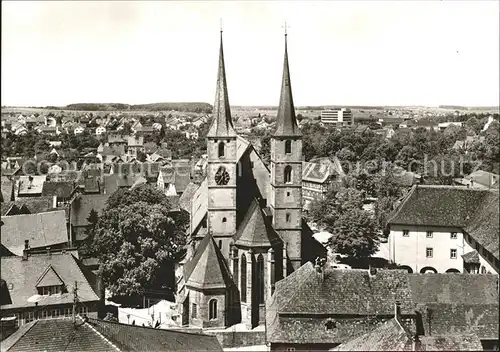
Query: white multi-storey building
[342,116]
[446,229]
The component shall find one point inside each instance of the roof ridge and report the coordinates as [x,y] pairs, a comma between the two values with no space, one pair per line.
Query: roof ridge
[101,336]
[401,205]
[24,333]
[145,327]
[246,219]
[45,273]
[81,272]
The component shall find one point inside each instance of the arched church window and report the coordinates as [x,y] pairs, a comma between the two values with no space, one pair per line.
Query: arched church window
[243,284]
[221,149]
[288,147]
[212,309]
[260,278]
[288,174]
[288,217]
[224,219]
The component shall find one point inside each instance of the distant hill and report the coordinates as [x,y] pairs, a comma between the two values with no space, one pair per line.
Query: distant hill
[186,107]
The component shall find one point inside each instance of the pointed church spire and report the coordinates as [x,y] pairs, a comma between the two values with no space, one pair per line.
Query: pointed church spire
[222,124]
[286,122]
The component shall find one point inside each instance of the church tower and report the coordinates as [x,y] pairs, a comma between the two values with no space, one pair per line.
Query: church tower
[221,171]
[285,197]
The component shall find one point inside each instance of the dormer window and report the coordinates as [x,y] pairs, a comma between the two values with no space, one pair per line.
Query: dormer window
[49,290]
[330,324]
[50,283]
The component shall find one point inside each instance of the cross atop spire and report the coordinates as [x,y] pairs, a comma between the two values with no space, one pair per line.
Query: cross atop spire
[222,124]
[286,27]
[286,122]
[221,25]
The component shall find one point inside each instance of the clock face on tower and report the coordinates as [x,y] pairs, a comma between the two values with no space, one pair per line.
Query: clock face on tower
[222,176]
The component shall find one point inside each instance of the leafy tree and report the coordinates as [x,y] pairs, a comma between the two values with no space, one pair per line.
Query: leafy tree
[355,233]
[473,125]
[52,157]
[141,156]
[265,148]
[136,238]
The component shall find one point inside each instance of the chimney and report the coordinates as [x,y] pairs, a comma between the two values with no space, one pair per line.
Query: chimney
[48,251]
[54,202]
[25,250]
[397,311]
[472,182]
[30,182]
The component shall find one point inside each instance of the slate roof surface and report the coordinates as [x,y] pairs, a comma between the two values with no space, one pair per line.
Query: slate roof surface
[286,122]
[10,171]
[439,206]
[41,229]
[462,342]
[351,292]
[61,189]
[293,317]
[474,210]
[388,336]
[458,289]
[174,202]
[57,335]
[99,335]
[207,269]
[452,319]
[24,274]
[465,303]
[113,150]
[49,278]
[185,200]
[471,257]
[256,230]
[115,181]
[137,338]
[222,124]
[150,147]
[484,226]
[180,176]
[34,204]
[81,207]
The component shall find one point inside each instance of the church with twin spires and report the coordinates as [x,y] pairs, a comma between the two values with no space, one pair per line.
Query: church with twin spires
[246,227]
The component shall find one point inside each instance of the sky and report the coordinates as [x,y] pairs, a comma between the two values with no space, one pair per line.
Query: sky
[340,52]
